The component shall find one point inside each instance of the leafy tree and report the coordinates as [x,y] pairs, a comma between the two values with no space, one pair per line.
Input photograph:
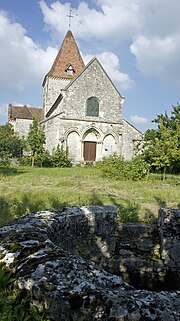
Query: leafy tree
[162,146]
[10,144]
[36,140]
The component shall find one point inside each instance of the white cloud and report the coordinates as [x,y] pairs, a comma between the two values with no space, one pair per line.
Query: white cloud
[111,64]
[158,56]
[22,62]
[152,27]
[118,19]
[114,20]
[138,119]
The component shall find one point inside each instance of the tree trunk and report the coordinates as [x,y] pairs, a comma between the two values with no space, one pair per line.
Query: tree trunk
[164,174]
[32,159]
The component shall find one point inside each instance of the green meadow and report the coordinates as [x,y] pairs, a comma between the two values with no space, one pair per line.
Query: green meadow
[24,190]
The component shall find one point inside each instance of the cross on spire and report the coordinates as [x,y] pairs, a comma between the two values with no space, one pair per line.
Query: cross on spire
[70,16]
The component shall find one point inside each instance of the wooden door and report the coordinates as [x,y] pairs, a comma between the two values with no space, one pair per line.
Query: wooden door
[90,151]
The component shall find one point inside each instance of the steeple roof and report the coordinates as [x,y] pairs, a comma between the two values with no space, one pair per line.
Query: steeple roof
[68,55]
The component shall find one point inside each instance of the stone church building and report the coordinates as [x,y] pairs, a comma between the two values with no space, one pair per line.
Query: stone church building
[82,109]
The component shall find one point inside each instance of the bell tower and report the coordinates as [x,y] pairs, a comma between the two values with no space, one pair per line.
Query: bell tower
[67,64]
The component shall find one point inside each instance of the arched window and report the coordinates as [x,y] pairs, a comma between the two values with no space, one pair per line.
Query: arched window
[92,107]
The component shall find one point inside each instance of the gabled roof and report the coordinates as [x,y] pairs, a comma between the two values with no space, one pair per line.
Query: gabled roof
[24,112]
[87,66]
[68,55]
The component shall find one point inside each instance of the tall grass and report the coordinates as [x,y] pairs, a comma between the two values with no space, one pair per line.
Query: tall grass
[24,190]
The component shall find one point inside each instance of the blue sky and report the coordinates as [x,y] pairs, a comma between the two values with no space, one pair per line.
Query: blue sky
[137,42]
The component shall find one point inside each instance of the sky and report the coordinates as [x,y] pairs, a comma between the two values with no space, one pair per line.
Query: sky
[136,41]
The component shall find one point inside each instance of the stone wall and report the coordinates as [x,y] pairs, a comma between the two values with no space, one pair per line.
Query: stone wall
[92,82]
[67,286]
[52,89]
[123,138]
[59,128]
[130,138]
[21,126]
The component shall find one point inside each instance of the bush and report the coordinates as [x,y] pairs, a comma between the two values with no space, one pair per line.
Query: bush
[25,161]
[5,159]
[137,168]
[42,159]
[116,167]
[59,158]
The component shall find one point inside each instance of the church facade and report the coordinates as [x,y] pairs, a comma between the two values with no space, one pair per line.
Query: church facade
[82,109]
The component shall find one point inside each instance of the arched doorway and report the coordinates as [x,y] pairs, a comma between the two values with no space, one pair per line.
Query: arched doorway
[90,145]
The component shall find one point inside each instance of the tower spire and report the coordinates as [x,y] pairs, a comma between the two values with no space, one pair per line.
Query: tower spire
[70,16]
[68,55]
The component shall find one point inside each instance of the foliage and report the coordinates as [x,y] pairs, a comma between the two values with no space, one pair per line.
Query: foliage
[36,140]
[59,158]
[128,213]
[10,145]
[43,159]
[162,146]
[6,279]
[15,305]
[25,161]
[116,167]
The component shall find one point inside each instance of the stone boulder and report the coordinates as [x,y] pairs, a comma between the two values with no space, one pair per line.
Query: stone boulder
[68,287]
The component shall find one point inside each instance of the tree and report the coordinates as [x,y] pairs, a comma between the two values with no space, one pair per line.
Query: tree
[10,144]
[36,139]
[162,146]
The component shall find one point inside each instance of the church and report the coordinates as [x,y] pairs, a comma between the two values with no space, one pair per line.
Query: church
[82,110]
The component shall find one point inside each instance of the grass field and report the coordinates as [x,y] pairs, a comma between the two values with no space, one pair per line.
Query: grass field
[24,190]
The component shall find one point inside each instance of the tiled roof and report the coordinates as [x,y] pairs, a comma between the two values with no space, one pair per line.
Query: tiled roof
[68,55]
[24,112]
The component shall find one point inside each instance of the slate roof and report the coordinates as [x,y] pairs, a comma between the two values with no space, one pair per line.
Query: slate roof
[68,55]
[25,112]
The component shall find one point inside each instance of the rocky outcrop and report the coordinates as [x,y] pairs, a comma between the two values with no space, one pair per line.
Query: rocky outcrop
[147,256]
[169,231]
[45,253]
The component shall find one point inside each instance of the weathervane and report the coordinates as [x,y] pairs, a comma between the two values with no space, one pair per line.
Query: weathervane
[70,16]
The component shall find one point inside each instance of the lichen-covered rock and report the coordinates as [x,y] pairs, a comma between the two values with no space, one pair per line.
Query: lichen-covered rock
[169,228]
[143,252]
[68,287]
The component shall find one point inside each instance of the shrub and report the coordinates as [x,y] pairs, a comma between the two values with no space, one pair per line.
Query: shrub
[137,168]
[59,158]
[5,159]
[25,161]
[43,159]
[116,167]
